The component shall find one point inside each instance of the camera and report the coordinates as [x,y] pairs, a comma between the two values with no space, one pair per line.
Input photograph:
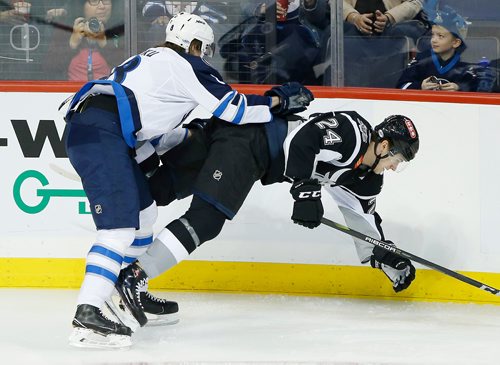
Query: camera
[94,25]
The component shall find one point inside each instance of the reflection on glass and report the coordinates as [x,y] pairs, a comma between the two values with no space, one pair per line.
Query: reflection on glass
[258,41]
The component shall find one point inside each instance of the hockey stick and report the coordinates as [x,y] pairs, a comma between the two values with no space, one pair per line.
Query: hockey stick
[64,173]
[410,256]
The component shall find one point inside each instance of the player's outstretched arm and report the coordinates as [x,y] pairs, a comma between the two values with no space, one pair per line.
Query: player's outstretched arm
[293,98]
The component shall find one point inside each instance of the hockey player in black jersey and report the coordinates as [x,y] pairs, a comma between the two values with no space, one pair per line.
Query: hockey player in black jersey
[341,153]
[219,163]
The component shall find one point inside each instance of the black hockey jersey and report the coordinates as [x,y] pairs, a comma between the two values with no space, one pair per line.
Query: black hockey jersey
[330,147]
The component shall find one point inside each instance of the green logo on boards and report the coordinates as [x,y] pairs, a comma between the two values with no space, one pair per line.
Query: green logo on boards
[45,194]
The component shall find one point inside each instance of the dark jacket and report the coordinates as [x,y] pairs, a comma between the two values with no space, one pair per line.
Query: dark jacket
[428,64]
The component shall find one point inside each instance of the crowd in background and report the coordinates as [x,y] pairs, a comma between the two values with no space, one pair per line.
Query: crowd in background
[416,44]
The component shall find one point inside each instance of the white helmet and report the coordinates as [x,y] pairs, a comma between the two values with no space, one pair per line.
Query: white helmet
[184,27]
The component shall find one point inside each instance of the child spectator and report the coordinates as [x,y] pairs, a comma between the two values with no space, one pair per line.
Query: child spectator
[440,67]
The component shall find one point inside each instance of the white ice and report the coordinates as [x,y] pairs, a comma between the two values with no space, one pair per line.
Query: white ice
[248,328]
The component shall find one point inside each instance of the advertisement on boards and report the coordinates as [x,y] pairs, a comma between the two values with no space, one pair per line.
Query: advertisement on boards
[434,209]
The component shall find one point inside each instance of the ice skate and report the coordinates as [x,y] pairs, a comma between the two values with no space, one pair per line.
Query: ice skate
[131,286]
[158,311]
[92,329]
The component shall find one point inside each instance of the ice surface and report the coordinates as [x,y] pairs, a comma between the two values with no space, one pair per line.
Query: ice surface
[248,328]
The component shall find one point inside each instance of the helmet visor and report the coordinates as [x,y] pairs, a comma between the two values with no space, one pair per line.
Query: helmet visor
[209,50]
[398,162]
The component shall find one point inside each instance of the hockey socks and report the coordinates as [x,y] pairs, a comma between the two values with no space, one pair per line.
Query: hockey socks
[103,265]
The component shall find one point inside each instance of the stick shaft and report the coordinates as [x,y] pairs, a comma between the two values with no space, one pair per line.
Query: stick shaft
[410,256]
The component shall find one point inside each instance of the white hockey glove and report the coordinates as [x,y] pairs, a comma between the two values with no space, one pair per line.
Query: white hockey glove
[398,269]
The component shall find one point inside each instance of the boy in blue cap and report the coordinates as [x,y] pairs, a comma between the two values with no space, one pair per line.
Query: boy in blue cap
[440,67]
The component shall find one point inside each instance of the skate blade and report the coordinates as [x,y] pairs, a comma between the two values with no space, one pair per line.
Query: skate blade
[83,337]
[122,313]
[162,319]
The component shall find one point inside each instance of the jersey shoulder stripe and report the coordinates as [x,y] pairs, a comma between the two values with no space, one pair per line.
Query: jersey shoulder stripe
[212,81]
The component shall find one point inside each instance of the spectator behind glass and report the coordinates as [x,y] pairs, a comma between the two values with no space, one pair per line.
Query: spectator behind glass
[315,14]
[267,50]
[89,44]
[22,36]
[440,67]
[383,17]
[14,12]
[157,13]
[55,10]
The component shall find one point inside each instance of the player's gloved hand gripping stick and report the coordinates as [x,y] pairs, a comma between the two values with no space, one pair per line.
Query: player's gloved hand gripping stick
[391,248]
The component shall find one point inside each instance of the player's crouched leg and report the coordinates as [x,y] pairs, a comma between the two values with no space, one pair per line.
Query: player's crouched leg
[159,311]
[202,222]
[91,327]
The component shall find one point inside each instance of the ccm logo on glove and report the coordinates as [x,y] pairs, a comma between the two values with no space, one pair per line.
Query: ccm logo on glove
[309,194]
[307,209]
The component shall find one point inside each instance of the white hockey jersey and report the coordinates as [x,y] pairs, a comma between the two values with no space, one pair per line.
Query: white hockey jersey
[157,89]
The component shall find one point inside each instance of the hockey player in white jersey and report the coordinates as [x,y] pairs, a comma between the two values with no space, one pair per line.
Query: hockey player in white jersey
[339,151]
[145,97]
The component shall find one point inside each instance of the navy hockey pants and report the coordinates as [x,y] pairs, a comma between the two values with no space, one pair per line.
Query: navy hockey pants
[115,186]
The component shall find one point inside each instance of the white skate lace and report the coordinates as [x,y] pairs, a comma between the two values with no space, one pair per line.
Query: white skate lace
[155,299]
[141,287]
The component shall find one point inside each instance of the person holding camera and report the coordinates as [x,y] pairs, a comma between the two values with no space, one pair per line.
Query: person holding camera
[95,45]
[91,28]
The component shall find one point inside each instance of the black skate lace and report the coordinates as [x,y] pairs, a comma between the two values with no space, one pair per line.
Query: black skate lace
[106,317]
[155,299]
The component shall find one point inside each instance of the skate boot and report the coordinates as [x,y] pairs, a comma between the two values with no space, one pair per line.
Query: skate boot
[158,310]
[131,283]
[93,329]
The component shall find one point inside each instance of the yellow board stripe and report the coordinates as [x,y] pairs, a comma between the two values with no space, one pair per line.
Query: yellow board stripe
[352,281]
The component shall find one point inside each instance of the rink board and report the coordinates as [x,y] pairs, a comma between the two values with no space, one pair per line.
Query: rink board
[258,277]
[443,207]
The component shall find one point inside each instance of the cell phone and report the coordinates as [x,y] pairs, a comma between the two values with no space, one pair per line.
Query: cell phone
[438,80]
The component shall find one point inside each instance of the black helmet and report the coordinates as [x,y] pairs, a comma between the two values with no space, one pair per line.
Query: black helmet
[402,134]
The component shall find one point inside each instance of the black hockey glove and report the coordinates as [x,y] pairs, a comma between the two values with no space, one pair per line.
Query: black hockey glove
[150,165]
[294,98]
[398,269]
[197,123]
[307,209]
